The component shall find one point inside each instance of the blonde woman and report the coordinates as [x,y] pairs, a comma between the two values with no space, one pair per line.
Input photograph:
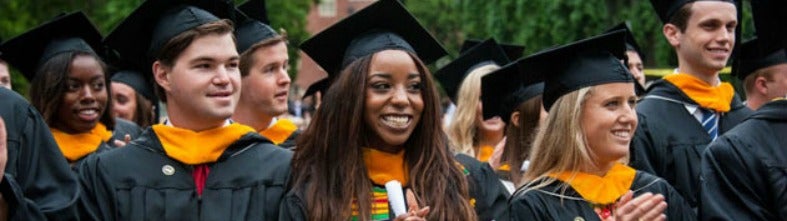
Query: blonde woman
[468,132]
[577,169]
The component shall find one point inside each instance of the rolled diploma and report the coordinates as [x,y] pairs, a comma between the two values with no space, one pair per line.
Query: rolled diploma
[395,197]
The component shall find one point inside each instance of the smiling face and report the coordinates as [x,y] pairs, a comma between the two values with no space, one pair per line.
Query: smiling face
[609,120]
[394,102]
[708,39]
[203,86]
[85,99]
[267,84]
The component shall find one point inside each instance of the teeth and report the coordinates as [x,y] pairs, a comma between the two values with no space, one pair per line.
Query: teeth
[396,121]
[89,111]
[624,134]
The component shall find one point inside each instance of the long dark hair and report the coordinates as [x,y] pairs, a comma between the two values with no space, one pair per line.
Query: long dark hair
[49,85]
[329,156]
[520,138]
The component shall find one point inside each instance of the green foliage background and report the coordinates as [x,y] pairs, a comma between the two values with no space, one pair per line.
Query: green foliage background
[538,24]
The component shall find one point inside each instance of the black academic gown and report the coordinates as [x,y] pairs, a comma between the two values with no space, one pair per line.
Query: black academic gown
[485,187]
[38,184]
[669,141]
[745,171]
[140,182]
[551,203]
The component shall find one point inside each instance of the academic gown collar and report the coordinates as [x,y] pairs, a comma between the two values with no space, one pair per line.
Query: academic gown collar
[666,89]
[774,110]
[150,141]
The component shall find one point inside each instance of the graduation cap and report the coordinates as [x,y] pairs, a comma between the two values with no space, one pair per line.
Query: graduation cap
[135,80]
[319,86]
[504,89]
[667,8]
[769,17]
[513,51]
[631,43]
[588,62]
[252,27]
[756,54]
[155,22]
[383,25]
[67,33]
[452,74]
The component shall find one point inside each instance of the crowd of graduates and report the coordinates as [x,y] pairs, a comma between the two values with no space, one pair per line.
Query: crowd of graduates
[572,132]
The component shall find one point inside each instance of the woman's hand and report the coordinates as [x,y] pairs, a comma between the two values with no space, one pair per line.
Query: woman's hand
[644,207]
[126,140]
[415,213]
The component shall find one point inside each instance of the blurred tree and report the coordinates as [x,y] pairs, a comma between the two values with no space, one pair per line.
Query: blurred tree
[541,24]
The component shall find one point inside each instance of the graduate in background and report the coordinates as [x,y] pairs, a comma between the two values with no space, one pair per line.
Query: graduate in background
[69,84]
[762,67]
[197,165]
[743,172]
[762,62]
[263,67]
[577,169]
[683,112]
[469,133]
[634,57]
[511,94]
[133,98]
[380,121]
[37,183]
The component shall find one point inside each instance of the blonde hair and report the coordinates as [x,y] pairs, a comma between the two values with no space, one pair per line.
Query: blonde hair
[462,130]
[559,145]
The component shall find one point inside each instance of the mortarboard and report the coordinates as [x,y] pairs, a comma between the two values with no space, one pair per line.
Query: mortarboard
[252,25]
[756,54]
[155,22]
[513,51]
[631,43]
[318,86]
[452,74]
[383,25]
[770,45]
[136,80]
[667,8]
[588,62]
[67,33]
[504,89]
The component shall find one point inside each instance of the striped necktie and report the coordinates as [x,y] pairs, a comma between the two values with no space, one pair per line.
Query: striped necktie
[709,123]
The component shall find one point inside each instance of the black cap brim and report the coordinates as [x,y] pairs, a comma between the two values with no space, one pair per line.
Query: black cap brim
[453,74]
[588,62]
[71,32]
[155,22]
[329,48]
[504,89]
[513,51]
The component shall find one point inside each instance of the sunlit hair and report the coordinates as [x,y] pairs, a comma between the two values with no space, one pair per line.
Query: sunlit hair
[520,138]
[559,145]
[462,131]
[328,165]
[50,86]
